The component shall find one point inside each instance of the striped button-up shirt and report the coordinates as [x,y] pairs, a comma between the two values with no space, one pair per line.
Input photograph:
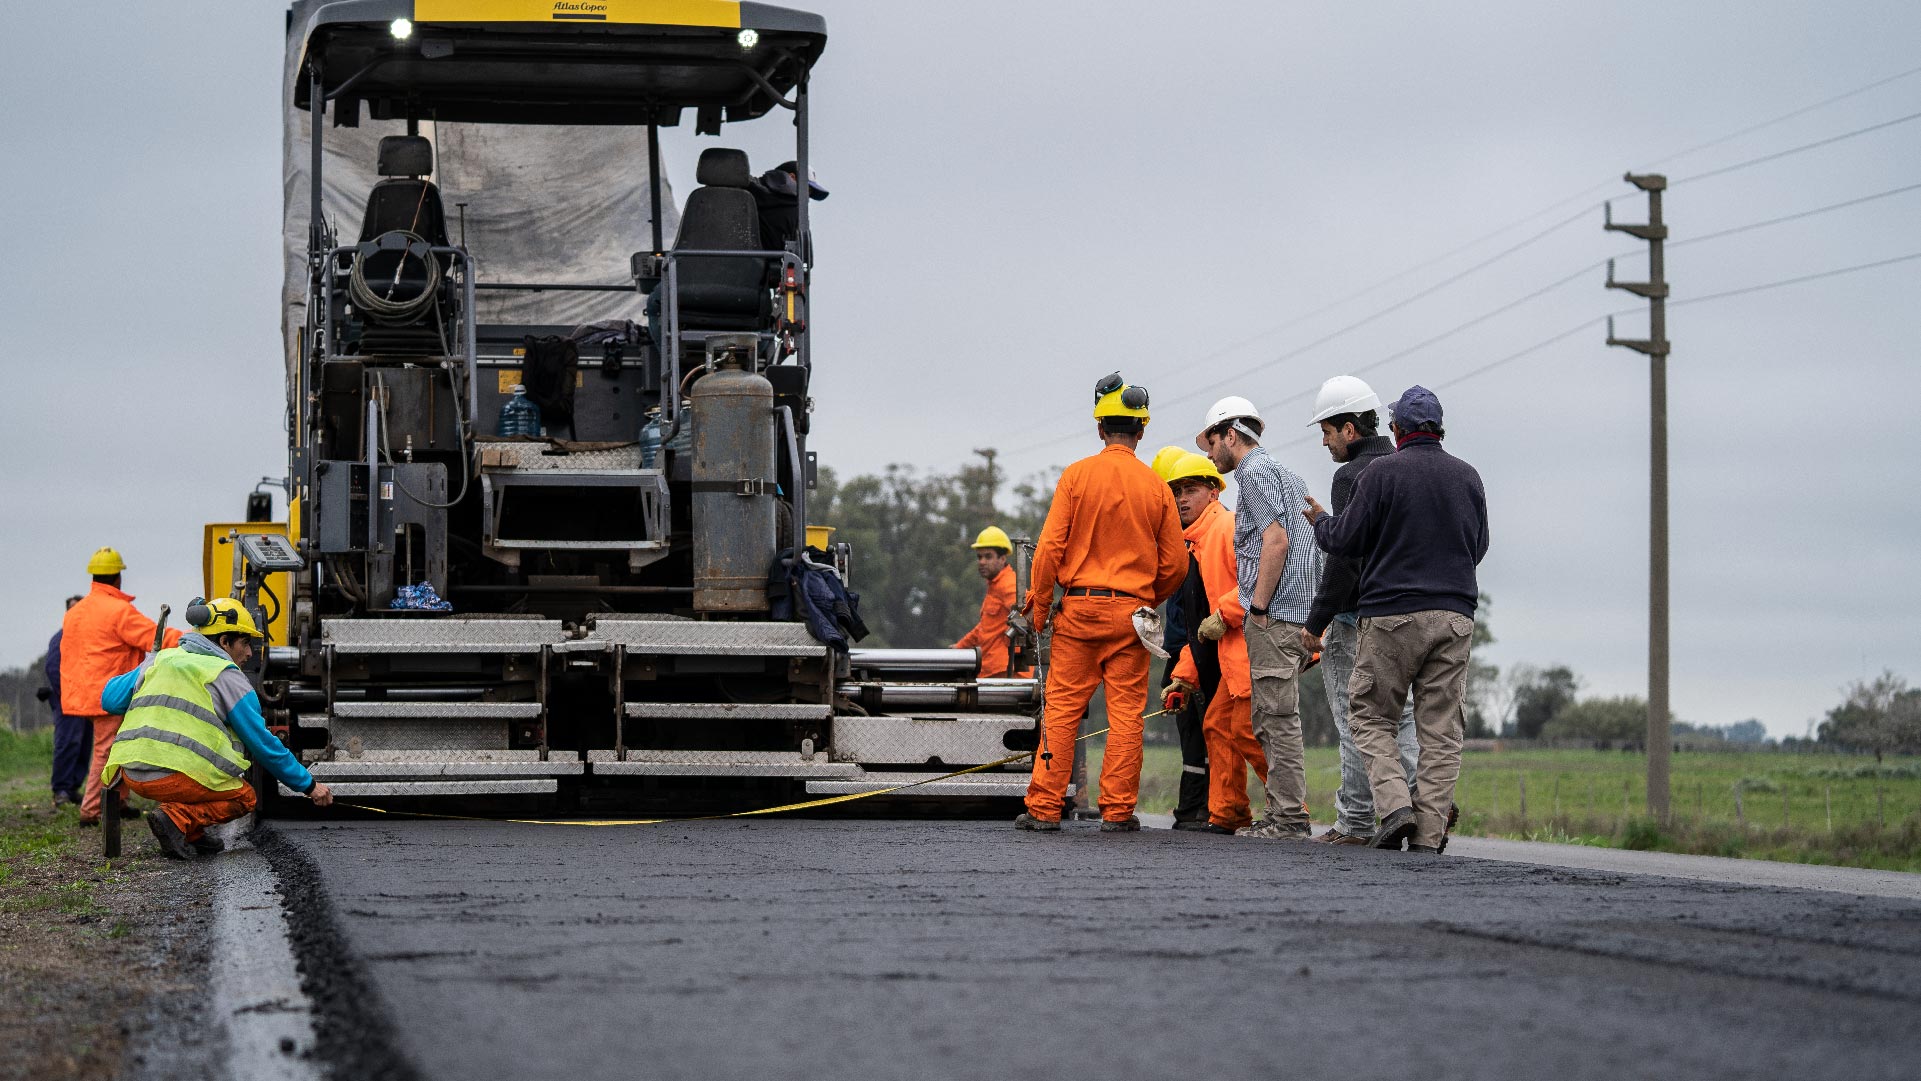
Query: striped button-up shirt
[1268,492]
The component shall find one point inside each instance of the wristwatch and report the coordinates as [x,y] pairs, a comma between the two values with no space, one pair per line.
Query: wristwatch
[1256,610]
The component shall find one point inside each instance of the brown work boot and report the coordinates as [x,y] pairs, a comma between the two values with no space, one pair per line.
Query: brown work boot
[1336,837]
[1025,821]
[1130,824]
[1397,827]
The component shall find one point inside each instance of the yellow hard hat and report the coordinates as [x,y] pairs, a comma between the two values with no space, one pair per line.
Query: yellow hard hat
[106,561]
[993,537]
[223,615]
[1113,398]
[1164,460]
[1191,465]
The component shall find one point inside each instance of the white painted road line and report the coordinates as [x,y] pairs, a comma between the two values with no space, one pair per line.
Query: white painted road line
[256,987]
[1799,876]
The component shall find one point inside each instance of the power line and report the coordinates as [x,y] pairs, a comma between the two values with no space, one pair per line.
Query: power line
[1779,154]
[1802,111]
[1600,319]
[1795,217]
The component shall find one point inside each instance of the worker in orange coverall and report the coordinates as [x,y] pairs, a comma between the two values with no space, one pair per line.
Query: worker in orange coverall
[991,550]
[101,637]
[1113,544]
[1228,725]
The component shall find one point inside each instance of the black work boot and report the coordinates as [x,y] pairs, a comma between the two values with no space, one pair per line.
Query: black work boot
[208,845]
[172,841]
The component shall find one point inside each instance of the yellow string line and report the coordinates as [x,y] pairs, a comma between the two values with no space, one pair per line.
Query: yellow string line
[826,801]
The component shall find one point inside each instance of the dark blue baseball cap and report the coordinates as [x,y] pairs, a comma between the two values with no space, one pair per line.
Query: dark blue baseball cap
[1417,406]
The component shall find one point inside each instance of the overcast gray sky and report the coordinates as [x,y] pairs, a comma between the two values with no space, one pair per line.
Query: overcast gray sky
[1028,195]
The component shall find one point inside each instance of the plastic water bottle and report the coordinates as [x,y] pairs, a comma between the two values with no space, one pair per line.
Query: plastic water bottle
[519,416]
[650,441]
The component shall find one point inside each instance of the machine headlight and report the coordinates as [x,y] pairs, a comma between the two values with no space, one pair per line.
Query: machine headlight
[401,29]
[748,38]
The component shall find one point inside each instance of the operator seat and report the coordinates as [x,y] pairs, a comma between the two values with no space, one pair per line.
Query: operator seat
[406,200]
[721,215]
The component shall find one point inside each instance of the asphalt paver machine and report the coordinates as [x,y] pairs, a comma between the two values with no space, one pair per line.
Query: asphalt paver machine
[476,213]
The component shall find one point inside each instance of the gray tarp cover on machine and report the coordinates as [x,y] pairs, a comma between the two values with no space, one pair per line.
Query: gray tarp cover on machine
[545,203]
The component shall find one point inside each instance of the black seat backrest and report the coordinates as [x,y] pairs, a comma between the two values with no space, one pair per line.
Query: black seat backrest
[721,215]
[406,200]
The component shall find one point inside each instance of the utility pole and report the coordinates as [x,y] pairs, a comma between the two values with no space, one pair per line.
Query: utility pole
[1655,346]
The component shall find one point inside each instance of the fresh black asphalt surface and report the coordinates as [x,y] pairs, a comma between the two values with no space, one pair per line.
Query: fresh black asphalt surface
[788,948]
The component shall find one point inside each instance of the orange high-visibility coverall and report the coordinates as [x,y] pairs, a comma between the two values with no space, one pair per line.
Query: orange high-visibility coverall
[1112,526]
[102,636]
[1228,726]
[990,634]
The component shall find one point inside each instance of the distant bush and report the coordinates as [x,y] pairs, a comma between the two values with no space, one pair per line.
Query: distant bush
[1624,718]
[1757,784]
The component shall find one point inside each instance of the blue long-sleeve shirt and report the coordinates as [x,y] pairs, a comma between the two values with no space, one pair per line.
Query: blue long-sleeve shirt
[236,703]
[52,668]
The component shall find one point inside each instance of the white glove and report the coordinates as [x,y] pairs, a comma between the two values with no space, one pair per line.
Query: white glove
[1147,624]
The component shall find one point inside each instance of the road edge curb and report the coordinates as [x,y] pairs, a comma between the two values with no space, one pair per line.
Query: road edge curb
[353,1037]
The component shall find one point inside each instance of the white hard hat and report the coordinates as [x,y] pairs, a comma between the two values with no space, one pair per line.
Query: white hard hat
[1228,408]
[1344,394]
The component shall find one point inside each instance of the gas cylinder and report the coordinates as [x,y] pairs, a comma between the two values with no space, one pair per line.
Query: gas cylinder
[734,488]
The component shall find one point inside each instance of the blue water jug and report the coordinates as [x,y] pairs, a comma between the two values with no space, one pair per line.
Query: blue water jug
[519,416]
[650,441]
[683,441]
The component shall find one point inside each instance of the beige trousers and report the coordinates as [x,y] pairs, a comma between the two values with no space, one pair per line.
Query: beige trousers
[1274,659]
[1428,650]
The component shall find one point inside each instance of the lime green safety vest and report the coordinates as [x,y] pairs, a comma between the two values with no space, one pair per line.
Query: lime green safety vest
[172,724]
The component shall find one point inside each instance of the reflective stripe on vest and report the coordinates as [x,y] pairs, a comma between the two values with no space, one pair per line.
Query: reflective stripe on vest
[171,724]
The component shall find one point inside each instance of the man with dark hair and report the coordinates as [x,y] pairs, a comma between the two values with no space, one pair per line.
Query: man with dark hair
[1112,542]
[1345,412]
[1276,570]
[1418,522]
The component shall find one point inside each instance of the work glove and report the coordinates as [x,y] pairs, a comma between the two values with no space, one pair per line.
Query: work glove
[1175,696]
[1213,628]
[1147,626]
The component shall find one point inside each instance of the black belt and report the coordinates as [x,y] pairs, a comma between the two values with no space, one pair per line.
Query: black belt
[1088,591]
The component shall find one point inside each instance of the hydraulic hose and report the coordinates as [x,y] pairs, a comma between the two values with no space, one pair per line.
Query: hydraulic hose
[377,306]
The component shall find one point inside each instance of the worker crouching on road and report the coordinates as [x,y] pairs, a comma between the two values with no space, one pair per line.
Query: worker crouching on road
[1113,543]
[1418,522]
[191,720]
[1228,726]
[991,551]
[100,637]
[1276,568]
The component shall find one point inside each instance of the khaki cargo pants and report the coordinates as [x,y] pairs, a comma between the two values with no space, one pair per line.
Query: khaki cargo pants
[1430,651]
[1274,661]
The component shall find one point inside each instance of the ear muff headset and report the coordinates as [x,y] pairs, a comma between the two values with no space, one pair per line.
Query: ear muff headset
[198,613]
[212,621]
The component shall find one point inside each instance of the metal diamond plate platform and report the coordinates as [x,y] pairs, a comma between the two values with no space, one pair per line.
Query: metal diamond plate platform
[978,785]
[727,711]
[718,764]
[444,710]
[440,635]
[537,458]
[353,736]
[395,768]
[352,789]
[955,739]
[694,638]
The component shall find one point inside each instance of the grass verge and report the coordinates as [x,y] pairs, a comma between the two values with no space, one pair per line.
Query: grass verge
[75,951]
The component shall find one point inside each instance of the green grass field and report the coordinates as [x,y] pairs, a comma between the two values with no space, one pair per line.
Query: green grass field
[1837,809]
